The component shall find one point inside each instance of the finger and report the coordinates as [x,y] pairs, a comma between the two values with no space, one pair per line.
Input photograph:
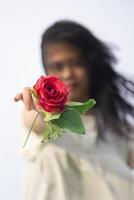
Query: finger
[27,98]
[18,97]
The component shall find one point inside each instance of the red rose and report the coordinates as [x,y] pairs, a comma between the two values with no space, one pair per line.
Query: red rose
[52,93]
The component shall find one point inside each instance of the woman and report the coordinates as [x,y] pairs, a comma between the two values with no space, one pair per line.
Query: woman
[99,164]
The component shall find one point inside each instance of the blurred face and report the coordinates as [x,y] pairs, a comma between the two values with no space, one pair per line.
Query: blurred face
[65,61]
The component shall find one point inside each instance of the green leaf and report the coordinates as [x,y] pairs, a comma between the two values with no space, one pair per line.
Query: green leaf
[71,120]
[72,103]
[48,116]
[82,107]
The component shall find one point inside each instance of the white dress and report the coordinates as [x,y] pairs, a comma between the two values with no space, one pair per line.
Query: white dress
[77,167]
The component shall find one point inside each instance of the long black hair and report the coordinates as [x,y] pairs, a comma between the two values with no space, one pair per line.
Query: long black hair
[109,88]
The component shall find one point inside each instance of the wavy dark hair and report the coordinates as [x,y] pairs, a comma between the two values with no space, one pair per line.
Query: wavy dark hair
[109,88]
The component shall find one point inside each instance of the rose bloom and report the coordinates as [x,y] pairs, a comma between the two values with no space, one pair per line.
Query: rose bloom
[52,93]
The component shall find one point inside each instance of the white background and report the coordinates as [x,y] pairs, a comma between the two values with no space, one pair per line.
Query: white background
[21,25]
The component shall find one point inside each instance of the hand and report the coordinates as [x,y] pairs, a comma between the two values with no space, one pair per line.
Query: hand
[27,99]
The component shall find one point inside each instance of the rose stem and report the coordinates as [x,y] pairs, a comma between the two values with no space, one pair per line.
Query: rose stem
[31,129]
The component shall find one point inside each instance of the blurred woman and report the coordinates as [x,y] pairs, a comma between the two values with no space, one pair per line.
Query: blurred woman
[97,165]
